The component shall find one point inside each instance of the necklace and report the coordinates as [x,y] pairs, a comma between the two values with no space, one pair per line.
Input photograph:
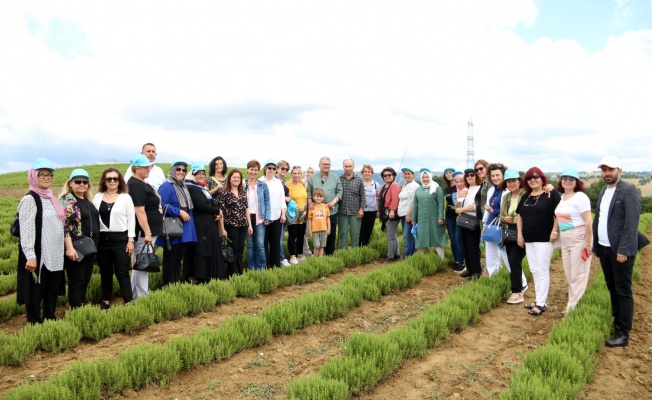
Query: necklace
[525,204]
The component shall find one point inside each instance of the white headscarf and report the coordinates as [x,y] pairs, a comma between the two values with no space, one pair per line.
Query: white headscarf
[432,185]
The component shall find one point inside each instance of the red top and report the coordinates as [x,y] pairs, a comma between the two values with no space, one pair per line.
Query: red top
[391,198]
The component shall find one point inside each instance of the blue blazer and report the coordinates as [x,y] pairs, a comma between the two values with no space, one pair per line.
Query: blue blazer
[169,198]
[262,191]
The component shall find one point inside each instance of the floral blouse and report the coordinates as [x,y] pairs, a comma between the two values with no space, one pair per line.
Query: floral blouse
[82,218]
[234,208]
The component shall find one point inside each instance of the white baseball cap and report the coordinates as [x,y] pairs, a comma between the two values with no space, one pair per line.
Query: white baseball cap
[611,162]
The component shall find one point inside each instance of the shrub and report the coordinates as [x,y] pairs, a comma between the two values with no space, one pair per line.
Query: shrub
[223,290]
[192,352]
[130,319]
[162,306]
[146,363]
[196,298]
[9,307]
[53,336]
[317,388]
[92,322]
[244,286]
[14,349]
[266,279]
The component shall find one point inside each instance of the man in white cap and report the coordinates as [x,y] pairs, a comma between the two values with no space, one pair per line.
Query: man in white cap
[616,241]
[156,175]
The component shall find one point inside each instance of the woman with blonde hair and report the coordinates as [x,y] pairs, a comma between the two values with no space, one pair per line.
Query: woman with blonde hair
[82,220]
[371,190]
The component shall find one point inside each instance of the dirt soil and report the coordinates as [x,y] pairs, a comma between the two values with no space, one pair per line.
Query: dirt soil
[475,363]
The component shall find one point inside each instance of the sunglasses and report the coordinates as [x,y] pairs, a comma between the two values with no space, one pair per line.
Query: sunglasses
[567,178]
[272,168]
[112,179]
[284,168]
[470,175]
[529,178]
[80,182]
[479,169]
[387,175]
[181,170]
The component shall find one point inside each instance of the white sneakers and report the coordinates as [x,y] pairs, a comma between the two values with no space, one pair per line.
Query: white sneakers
[301,258]
[285,262]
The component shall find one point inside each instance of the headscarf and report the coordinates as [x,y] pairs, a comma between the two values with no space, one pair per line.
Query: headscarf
[183,196]
[432,185]
[32,179]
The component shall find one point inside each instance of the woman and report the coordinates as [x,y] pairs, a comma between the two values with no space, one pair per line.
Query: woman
[277,209]
[217,170]
[537,231]
[456,244]
[237,226]
[41,247]
[117,235]
[176,202]
[82,220]
[480,170]
[149,221]
[388,199]
[466,203]
[508,217]
[575,232]
[203,261]
[297,230]
[258,210]
[460,186]
[371,190]
[427,212]
[282,169]
[306,244]
[493,251]
[405,198]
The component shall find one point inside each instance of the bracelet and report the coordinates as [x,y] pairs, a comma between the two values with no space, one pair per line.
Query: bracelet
[148,234]
[555,233]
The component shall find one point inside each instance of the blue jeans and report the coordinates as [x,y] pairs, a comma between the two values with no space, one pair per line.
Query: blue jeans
[456,239]
[281,241]
[256,257]
[408,238]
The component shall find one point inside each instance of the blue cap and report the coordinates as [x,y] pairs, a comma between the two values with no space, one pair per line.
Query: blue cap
[179,162]
[414,229]
[466,171]
[456,173]
[409,169]
[511,173]
[140,161]
[79,173]
[196,167]
[570,172]
[42,163]
[449,169]
[268,162]
[425,170]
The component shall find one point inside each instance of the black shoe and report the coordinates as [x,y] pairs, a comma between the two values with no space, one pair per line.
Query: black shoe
[466,273]
[397,258]
[473,276]
[458,268]
[104,306]
[617,341]
[388,260]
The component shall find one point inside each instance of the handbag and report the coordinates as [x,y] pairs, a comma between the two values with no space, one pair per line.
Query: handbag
[172,226]
[467,222]
[384,215]
[291,213]
[85,246]
[493,232]
[227,251]
[510,233]
[15,227]
[147,261]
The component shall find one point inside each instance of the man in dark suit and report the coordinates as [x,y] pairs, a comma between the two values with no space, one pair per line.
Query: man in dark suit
[616,241]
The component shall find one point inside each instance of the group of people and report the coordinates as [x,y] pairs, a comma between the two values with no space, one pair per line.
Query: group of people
[223,208]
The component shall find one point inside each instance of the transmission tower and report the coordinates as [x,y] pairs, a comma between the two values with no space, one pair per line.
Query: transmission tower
[470,157]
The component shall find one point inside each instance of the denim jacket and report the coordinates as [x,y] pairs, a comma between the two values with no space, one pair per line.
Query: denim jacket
[262,192]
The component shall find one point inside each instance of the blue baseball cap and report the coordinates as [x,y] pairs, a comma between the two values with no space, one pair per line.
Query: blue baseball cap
[457,173]
[140,161]
[511,173]
[449,169]
[179,162]
[42,163]
[570,172]
[197,166]
[422,170]
[79,173]
[408,169]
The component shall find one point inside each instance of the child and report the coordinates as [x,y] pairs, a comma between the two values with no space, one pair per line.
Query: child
[319,222]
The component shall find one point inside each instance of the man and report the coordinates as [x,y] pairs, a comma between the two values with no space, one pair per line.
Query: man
[332,187]
[156,175]
[616,241]
[352,208]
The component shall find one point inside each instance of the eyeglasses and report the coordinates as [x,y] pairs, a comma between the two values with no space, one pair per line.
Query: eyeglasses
[387,175]
[181,170]
[284,168]
[271,168]
[567,178]
[112,179]
[508,181]
[80,182]
[479,169]
[470,175]
[529,178]
[45,176]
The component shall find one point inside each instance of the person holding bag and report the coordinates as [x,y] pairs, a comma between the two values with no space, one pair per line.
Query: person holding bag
[466,210]
[428,211]
[117,235]
[494,251]
[233,203]
[388,201]
[82,221]
[508,217]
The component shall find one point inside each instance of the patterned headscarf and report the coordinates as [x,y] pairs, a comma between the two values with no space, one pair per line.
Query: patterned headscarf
[183,196]
[32,179]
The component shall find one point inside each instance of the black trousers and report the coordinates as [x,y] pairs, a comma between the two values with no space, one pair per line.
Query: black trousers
[515,255]
[618,277]
[112,258]
[296,233]
[367,227]
[471,243]
[79,275]
[238,237]
[172,263]
[330,240]
[48,291]
[272,240]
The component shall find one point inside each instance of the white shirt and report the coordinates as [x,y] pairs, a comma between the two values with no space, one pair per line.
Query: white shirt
[52,248]
[123,217]
[405,198]
[156,176]
[276,197]
[603,236]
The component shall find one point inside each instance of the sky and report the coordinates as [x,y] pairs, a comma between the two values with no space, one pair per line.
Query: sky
[547,83]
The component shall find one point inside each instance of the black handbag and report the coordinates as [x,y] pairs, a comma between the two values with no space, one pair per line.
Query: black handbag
[467,222]
[146,261]
[85,246]
[510,233]
[172,226]
[15,227]
[227,251]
